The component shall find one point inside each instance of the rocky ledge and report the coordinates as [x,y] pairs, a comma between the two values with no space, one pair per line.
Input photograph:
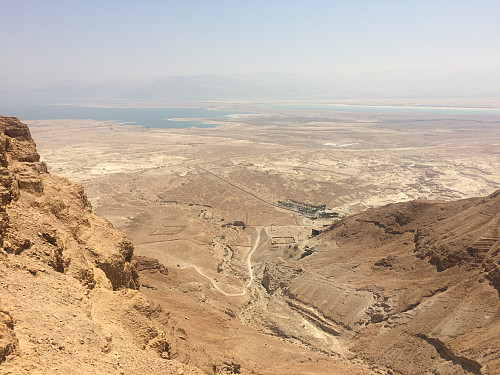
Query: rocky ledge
[69,302]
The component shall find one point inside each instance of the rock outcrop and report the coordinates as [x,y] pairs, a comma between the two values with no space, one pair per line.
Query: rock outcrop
[69,302]
[50,218]
[412,287]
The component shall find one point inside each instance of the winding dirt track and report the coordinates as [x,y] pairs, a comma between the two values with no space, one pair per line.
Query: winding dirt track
[249,266]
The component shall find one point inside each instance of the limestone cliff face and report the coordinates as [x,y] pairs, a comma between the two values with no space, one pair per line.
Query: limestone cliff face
[49,218]
[69,302]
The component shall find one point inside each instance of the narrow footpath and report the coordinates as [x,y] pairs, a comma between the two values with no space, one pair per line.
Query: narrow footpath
[249,266]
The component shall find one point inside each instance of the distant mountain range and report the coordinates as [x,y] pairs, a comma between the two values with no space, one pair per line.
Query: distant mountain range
[272,86]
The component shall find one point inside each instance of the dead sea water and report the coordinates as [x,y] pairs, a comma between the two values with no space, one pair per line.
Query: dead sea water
[145,117]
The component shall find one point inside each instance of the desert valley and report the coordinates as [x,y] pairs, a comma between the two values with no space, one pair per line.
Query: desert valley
[282,240]
[250,187]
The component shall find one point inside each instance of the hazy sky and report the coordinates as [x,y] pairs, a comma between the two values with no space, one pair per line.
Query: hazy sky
[51,42]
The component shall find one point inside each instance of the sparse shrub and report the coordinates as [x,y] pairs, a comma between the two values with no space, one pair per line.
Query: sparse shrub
[307,251]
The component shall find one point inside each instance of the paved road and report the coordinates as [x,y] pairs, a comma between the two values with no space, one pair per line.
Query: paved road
[249,266]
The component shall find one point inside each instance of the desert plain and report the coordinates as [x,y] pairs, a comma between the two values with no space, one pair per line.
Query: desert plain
[231,213]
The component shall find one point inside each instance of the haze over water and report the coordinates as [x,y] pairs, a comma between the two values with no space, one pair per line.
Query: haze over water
[222,50]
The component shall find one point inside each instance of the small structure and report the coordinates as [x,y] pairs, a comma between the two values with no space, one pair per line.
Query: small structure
[239,223]
[282,240]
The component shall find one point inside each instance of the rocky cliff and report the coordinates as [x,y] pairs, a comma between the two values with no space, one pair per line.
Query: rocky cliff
[49,218]
[412,287]
[69,302]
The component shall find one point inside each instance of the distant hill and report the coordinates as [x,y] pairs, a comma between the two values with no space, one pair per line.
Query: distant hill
[273,86]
